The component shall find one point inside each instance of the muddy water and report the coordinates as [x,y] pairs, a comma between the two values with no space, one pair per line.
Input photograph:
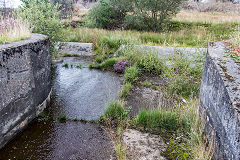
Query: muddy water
[77,93]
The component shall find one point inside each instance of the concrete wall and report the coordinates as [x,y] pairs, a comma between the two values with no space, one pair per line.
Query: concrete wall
[24,84]
[220,102]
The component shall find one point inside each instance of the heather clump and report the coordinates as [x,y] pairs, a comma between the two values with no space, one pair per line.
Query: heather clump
[120,66]
[13,29]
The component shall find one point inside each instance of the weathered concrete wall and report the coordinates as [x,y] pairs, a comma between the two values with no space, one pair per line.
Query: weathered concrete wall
[220,102]
[24,84]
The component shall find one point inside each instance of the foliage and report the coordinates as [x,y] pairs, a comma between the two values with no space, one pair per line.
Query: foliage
[131,74]
[13,29]
[126,90]
[142,14]
[233,47]
[43,17]
[62,118]
[178,150]
[65,65]
[108,64]
[120,66]
[115,111]
[161,120]
[144,59]
[184,75]
[151,14]
[105,14]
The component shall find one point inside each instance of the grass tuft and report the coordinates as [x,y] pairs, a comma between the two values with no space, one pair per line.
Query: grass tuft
[115,111]
[125,92]
[131,74]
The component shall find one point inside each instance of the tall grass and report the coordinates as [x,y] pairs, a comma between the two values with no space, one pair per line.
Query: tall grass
[207,17]
[13,29]
[186,138]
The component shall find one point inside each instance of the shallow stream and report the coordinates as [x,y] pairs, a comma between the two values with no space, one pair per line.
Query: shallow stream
[78,93]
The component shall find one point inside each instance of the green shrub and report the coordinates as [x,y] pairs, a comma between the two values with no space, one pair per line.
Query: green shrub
[178,150]
[43,17]
[108,64]
[151,14]
[183,79]
[146,60]
[105,14]
[131,74]
[115,111]
[126,90]
[62,118]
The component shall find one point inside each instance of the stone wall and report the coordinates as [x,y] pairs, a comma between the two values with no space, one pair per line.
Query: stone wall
[24,84]
[220,102]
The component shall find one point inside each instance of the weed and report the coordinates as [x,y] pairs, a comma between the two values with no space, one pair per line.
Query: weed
[160,120]
[62,118]
[91,65]
[120,146]
[100,58]
[43,116]
[79,66]
[115,111]
[65,65]
[144,59]
[126,90]
[146,83]
[131,74]
[183,78]
[108,64]
[178,150]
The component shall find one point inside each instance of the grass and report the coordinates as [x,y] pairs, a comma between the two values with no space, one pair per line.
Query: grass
[184,34]
[181,124]
[125,92]
[207,17]
[131,74]
[233,48]
[62,118]
[79,66]
[115,111]
[65,65]
[12,30]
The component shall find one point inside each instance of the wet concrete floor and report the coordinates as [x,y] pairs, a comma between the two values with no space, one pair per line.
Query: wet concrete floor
[78,93]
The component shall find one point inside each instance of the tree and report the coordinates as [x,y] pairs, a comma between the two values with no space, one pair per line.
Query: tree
[151,14]
[43,18]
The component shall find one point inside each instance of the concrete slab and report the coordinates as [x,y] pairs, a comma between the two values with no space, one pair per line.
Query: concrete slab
[75,48]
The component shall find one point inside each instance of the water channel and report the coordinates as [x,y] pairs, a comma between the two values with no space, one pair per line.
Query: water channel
[78,93]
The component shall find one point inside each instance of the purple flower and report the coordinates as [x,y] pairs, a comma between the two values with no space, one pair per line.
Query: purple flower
[120,66]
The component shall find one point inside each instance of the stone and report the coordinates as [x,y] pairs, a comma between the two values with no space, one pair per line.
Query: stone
[75,48]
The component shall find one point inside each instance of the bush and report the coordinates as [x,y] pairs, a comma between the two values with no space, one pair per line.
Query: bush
[43,17]
[105,14]
[108,64]
[131,74]
[151,14]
